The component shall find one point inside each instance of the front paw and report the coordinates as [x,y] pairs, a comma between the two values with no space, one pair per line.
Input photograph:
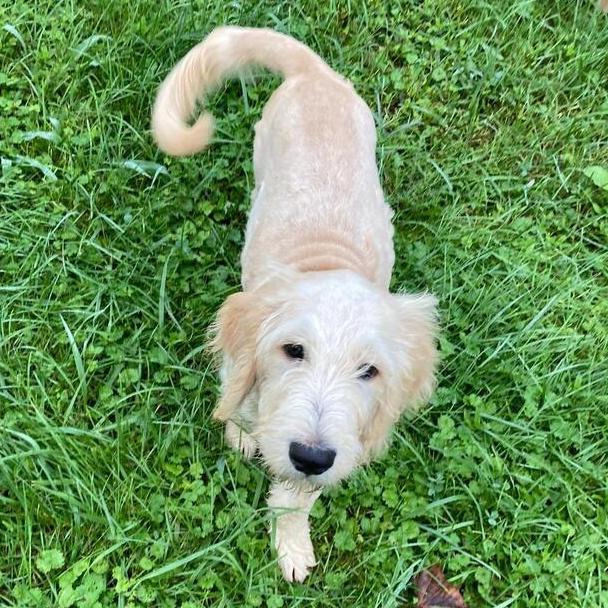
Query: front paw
[295,552]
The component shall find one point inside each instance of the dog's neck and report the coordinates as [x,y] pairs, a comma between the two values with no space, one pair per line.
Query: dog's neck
[326,251]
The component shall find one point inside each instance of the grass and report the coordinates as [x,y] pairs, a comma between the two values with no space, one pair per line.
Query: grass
[115,486]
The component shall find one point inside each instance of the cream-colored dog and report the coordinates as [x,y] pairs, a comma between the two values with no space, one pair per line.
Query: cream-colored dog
[318,358]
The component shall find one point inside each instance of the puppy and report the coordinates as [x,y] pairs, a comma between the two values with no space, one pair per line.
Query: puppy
[319,359]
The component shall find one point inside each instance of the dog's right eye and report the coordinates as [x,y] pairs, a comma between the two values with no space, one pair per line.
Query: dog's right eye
[294,351]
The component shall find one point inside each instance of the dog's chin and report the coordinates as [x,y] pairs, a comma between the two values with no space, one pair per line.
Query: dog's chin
[316,480]
[307,483]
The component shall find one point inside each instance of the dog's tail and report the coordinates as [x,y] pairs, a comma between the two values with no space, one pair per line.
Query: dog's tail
[225,52]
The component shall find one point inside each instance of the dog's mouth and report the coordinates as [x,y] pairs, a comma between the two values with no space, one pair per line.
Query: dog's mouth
[304,468]
[309,482]
[301,484]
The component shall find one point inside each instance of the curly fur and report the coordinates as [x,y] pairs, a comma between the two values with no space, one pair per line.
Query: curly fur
[316,269]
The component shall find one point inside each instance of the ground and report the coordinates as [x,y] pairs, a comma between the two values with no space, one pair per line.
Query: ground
[116,488]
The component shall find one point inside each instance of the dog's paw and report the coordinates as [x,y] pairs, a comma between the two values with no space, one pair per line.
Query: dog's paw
[296,555]
[240,440]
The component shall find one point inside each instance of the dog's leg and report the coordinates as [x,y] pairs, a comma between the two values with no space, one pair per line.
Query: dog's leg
[292,532]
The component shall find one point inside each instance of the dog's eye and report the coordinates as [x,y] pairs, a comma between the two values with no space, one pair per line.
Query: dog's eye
[294,351]
[367,372]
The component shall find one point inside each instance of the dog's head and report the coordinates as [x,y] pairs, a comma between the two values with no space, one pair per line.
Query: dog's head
[333,360]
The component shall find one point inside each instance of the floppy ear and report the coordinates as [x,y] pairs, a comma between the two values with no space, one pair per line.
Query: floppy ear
[235,330]
[416,357]
[419,319]
[235,335]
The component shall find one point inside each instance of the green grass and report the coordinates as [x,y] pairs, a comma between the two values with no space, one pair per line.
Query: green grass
[115,486]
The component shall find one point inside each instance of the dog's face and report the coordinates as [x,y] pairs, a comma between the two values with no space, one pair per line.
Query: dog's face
[332,361]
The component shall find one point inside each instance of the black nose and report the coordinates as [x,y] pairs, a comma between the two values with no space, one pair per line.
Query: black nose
[309,460]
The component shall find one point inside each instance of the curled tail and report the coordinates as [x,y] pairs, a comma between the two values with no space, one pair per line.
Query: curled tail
[225,52]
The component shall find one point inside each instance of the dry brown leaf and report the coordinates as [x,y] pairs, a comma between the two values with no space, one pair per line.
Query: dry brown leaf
[435,592]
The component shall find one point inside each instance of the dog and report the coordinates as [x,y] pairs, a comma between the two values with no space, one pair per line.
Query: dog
[318,358]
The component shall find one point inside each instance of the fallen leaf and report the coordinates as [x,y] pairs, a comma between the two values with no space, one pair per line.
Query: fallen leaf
[435,592]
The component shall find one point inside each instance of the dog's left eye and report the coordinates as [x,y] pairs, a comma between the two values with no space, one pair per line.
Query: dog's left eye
[294,351]
[367,372]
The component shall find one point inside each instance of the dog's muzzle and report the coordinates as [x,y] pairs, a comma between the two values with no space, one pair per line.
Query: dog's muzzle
[311,460]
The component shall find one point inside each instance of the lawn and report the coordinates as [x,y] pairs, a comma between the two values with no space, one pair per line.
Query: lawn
[116,488]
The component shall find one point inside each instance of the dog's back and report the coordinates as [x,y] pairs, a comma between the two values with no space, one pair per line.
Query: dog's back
[318,203]
[317,180]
